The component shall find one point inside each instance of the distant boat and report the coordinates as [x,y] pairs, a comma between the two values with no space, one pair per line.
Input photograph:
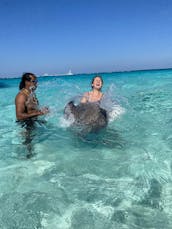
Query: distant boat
[45,74]
[69,73]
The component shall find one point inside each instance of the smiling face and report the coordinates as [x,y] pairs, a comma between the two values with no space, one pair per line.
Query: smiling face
[97,83]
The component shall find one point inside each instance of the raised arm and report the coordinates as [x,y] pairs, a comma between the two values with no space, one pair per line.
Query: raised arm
[85,98]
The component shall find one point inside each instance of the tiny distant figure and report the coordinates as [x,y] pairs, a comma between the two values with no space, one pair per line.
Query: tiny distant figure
[27,107]
[95,95]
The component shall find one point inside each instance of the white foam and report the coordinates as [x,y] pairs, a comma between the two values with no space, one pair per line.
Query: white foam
[66,122]
[51,221]
[42,165]
[116,112]
[92,177]
[105,210]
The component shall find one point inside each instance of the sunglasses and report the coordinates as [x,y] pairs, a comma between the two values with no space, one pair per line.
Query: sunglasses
[34,81]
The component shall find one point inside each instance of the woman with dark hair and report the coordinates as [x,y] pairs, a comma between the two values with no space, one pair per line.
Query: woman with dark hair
[26,102]
[27,109]
[95,95]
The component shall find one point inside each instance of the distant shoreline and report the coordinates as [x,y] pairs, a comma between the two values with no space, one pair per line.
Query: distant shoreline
[95,73]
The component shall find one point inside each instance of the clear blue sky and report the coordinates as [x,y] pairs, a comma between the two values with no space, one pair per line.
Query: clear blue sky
[54,36]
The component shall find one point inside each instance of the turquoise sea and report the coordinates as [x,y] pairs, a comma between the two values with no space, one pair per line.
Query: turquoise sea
[119,178]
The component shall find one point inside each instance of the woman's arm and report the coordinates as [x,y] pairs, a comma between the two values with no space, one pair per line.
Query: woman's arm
[85,98]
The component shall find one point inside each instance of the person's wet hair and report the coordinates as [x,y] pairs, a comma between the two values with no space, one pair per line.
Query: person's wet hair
[25,77]
[94,79]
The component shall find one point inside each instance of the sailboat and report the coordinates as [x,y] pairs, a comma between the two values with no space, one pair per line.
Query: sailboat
[70,73]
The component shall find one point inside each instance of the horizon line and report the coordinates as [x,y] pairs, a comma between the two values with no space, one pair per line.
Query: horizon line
[108,72]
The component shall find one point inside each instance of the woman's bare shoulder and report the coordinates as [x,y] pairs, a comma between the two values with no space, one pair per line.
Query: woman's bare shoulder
[86,93]
[85,97]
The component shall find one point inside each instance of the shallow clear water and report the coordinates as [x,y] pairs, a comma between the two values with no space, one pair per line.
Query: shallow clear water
[118,178]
